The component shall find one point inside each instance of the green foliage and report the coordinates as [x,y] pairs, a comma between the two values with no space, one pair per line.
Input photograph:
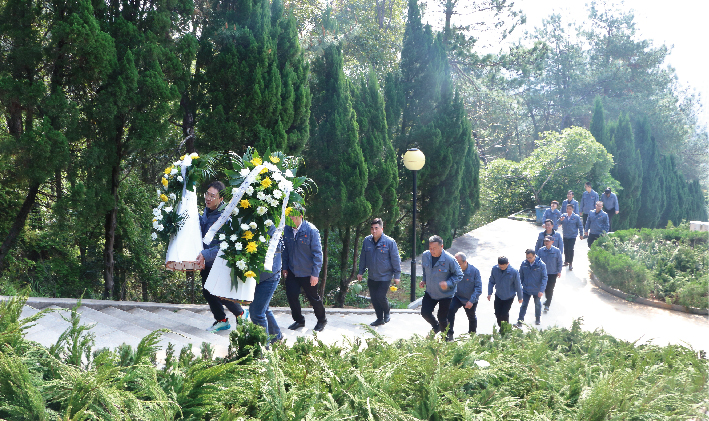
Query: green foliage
[666,264]
[628,170]
[652,197]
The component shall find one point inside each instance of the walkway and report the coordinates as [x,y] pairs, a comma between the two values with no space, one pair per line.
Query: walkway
[574,296]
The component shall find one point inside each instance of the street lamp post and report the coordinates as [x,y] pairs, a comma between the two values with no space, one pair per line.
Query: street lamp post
[414,160]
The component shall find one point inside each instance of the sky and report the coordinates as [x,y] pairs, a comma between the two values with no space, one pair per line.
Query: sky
[680,24]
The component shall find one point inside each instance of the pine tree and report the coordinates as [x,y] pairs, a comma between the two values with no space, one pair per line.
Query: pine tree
[598,126]
[672,187]
[334,159]
[629,172]
[651,196]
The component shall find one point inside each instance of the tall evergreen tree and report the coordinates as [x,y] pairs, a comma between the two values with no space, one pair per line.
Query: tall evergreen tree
[598,126]
[652,197]
[672,187]
[334,159]
[629,172]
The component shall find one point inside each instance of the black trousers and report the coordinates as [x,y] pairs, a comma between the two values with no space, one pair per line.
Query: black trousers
[611,214]
[293,287]
[592,238]
[470,312]
[585,217]
[549,292]
[569,244]
[502,310]
[216,304]
[427,306]
[378,293]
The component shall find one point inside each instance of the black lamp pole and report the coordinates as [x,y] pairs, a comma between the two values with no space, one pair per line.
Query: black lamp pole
[413,246]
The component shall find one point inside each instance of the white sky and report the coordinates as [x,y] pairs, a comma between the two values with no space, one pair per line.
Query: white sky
[680,24]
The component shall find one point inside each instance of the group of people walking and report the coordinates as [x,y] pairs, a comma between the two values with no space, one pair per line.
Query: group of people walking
[450,282]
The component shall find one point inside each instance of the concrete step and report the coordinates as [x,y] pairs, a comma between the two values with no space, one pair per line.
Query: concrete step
[47,329]
[134,324]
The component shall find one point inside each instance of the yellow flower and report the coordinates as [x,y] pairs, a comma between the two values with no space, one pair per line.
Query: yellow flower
[168,169]
[250,274]
[393,288]
[194,155]
[275,159]
[288,210]
[164,181]
[251,247]
[155,219]
[244,204]
[248,235]
[266,183]
[182,158]
[264,170]
[256,161]
[163,198]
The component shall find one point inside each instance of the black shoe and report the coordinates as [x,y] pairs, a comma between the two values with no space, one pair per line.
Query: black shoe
[377,322]
[546,308]
[538,322]
[518,325]
[571,267]
[296,325]
[386,318]
[436,329]
[449,337]
[320,325]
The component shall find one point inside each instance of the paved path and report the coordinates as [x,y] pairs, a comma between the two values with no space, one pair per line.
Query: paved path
[574,296]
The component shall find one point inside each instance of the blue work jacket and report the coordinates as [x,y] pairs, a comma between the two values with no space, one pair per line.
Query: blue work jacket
[446,269]
[597,223]
[470,288]
[381,260]
[610,202]
[571,225]
[554,215]
[302,255]
[206,220]
[573,202]
[506,283]
[552,258]
[533,276]
[558,241]
[588,201]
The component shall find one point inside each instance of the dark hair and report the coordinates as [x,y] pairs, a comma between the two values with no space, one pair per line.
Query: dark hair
[570,191]
[529,251]
[548,238]
[377,221]
[502,260]
[218,185]
[435,239]
[548,220]
[554,201]
[299,207]
[588,183]
[569,206]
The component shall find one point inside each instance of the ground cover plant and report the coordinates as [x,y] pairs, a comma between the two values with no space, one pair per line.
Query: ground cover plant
[557,373]
[670,265]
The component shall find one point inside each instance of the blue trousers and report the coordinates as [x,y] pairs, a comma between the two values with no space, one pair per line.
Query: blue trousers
[537,306]
[259,311]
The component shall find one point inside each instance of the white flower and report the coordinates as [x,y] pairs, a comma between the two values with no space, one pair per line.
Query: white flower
[223,245]
[273,202]
[289,174]
[285,185]
[241,264]
[238,246]
[155,224]
[194,155]
[249,190]
[156,211]
[161,204]
[173,171]
[159,193]
[168,209]
[222,237]
[253,225]
[261,210]
[160,227]
[262,239]
[158,217]
[244,172]
[187,161]
[173,196]
[180,179]
[154,236]
[276,193]
[261,195]
[235,211]
[268,223]
[233,237]
[245,227]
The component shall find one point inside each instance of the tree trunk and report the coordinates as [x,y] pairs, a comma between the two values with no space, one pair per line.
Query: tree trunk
[144,289]
[110,233]
[325,260]
[19,223]
[344,255]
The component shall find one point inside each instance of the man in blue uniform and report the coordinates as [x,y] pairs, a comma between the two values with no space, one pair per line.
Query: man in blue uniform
[302,261]
[505,279]
[570,201]
[549,231]
[380,256]
[597,224]
[211,213]
[466,295]
[551,256]
[259,310]
[570,225]
[610,205]
[553,214]
[441,274]
[533,276]
[588,201]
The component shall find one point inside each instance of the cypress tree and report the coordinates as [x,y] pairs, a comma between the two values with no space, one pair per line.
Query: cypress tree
[598,126]
[673,207]
[334,159]
[629,172]
[651,196]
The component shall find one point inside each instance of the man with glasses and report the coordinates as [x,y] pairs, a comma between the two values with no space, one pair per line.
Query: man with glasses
[212,212]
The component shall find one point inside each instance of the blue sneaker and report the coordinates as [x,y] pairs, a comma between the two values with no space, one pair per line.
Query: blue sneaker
[217,326]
